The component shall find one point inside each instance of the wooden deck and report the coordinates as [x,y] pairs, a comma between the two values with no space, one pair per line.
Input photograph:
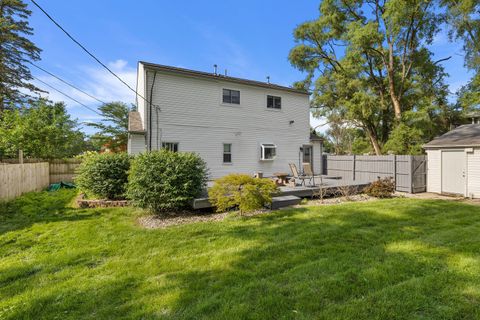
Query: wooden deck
[329,187]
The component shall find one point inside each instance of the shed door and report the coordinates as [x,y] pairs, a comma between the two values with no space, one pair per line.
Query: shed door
[453,172]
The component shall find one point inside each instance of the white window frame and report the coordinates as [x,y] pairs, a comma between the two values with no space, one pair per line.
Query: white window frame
[265,146]
[231,153]
[171,143]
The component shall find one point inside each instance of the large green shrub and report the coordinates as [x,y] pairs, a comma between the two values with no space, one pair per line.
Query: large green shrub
[104,175]
[164,180]
[241,191]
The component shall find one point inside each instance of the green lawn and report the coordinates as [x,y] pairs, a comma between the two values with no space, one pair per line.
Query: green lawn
[389,259]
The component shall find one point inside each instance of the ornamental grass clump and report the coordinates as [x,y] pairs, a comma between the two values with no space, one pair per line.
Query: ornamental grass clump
[163,181]
[104,175]
[381,188]
[242,192]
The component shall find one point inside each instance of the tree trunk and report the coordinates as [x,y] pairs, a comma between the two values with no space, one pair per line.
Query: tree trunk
[374,141]
[391,83]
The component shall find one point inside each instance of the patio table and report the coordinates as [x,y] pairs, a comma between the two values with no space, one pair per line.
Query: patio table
[281,177]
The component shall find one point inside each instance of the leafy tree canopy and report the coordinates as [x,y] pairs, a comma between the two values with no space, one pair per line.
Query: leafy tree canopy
[43,130]
[113,130]
[369,66]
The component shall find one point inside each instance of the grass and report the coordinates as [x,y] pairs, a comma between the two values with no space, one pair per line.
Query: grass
[388,259]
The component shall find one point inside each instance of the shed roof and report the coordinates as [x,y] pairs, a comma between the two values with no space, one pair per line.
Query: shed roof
[202,74]
[467,135]
[315,137]
[135,122]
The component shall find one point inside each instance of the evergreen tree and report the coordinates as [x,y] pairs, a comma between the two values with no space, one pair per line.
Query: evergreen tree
[15,52]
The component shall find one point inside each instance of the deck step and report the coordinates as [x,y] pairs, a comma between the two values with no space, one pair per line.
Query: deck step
[285,201]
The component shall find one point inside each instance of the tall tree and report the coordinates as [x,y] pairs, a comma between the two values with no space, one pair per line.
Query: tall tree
[369,62]
[41,130]
[113,130]
[15,52]
[463,16]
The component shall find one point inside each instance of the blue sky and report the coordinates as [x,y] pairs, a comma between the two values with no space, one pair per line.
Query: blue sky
[249,38]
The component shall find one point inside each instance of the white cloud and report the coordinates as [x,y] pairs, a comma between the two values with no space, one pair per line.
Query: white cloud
[96,81]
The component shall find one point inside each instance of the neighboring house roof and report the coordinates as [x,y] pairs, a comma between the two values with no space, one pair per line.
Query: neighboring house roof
[467,135]
[314,137]
[135,122]
[208,75]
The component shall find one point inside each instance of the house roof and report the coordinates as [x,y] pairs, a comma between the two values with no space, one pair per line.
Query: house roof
[135,122]
[208,75]
[467,135]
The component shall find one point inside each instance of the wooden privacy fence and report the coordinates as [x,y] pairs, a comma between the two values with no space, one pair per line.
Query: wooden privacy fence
[33,175]
[17,179]
[59,169]
[409,172]
[63,170]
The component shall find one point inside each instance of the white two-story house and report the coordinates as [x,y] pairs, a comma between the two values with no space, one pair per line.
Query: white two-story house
[235,125]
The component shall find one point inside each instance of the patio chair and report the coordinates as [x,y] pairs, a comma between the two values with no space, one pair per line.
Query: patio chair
[308,173]
[296,175]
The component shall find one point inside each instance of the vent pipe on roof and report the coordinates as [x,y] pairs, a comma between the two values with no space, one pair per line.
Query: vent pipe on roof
[215,69]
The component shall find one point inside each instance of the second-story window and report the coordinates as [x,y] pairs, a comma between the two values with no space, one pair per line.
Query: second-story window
[274,102]
[231,96]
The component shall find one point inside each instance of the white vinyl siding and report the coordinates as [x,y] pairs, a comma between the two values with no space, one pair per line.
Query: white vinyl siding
[434,171]
[473,173]
[190,114]
[136,143]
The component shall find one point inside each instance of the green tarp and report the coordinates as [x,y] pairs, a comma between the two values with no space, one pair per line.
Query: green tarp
[60,185]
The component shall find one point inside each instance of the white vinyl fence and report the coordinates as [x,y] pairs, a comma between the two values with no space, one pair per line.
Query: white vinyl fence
[408,171]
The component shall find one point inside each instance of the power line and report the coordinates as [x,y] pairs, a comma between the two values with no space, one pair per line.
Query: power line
[66,95]
[87,51]
[67,83]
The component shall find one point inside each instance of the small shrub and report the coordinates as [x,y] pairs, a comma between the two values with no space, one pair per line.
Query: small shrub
[346,191]
[241,191]
[166,181]
[381,188]
[104,175]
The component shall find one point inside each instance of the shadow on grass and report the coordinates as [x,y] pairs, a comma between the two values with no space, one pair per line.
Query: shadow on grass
[39,207]
[352,262]
[394,259]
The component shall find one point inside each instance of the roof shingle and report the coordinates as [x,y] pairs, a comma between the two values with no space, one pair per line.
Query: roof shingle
[467,135]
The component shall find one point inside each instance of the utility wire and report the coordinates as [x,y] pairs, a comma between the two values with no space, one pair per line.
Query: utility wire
[86,50]
[66,95]
[67,83]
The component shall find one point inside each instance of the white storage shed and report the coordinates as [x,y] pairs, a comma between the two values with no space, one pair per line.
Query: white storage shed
[453,165]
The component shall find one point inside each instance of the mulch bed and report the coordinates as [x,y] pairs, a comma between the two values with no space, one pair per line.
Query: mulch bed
[186,217]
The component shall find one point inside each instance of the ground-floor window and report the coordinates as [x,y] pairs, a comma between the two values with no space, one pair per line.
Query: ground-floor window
[227,153]
[268,151]
[172,146]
